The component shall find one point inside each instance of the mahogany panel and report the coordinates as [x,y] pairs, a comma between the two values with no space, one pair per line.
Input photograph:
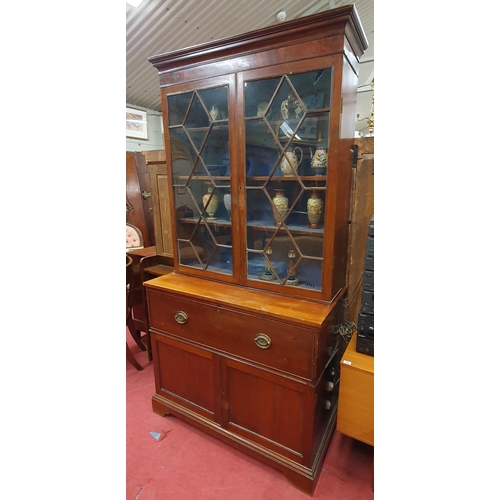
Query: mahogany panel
[254,401]
[362,210]
[293,310]
[332,22]
[218,327]
[187,375]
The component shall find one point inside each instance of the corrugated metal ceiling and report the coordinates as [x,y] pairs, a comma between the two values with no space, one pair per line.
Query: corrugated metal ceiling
[159,26]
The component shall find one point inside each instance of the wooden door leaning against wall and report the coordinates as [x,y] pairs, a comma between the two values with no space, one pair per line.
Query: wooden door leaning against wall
[139,203]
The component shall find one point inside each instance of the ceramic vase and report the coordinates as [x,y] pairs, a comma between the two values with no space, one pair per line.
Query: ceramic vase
[290,163]
[319,161]
[280,205]
[210,204]
[227,204]
[314,210]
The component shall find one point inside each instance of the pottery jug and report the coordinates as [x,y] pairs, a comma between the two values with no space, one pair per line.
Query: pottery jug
[215,113]
[314,210]
[210,204]
[280,205]
[290,163]
[319,161]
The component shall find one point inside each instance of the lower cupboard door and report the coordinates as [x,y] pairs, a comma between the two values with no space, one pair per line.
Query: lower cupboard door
[265,408]
[188,376]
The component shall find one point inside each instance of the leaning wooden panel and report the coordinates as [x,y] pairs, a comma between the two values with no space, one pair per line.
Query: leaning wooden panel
[362,210]
[135,207]
[161,207]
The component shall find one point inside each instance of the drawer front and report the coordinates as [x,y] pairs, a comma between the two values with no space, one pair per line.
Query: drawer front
[272,343]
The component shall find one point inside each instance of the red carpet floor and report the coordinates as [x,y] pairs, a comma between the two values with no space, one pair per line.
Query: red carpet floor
[187,464]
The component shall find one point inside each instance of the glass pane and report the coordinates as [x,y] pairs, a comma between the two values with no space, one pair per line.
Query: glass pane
[286,124]
[177,107]
[215,151]
[313,88]
[199,137]
[258,95]
[215,101]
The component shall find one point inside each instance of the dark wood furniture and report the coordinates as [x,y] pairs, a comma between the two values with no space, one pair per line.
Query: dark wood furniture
[147,178]
[244,331]
[146,264]
[362,209]
[156,167]
[129,303]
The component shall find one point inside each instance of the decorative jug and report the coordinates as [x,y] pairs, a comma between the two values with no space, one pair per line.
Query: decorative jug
[319,161]
[215,114]
[290,163]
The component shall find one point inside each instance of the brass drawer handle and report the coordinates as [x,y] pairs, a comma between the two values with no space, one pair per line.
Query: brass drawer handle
[181,317]
[262,341]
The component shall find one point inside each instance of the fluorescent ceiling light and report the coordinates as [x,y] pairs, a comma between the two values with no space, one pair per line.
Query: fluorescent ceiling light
[134,3]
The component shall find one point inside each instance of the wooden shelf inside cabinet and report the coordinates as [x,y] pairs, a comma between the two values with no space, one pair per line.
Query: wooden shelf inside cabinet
[263,178]
[293,228]
[215,222]
[203,178]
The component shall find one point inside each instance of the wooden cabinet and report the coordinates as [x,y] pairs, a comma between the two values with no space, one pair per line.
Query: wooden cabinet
[356,394]
[258,145]
[264,379]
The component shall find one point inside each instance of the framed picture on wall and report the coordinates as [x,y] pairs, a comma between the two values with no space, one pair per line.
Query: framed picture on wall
[137,123]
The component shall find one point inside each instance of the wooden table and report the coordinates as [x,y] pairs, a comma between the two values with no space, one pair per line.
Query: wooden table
[355,417]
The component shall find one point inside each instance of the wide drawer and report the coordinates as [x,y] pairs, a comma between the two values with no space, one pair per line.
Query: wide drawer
[276,344]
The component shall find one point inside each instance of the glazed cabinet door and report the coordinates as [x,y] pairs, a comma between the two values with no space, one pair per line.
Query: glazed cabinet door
[198,144]
[286,127]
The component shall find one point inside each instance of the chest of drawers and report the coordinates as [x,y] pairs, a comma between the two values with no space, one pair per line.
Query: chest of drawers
[259,371]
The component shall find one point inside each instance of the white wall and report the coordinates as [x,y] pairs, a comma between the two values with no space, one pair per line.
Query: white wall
[155,136]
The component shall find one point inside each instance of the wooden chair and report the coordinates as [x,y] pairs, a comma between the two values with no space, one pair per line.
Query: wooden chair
[134,242]
[129,302]
[134,237]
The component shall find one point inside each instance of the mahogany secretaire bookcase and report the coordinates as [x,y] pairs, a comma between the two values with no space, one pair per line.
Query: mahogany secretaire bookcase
[259,132]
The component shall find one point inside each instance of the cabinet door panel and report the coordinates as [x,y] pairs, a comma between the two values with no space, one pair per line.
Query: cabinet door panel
[287,120]
[199,138]
[187,375]
[265,408]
